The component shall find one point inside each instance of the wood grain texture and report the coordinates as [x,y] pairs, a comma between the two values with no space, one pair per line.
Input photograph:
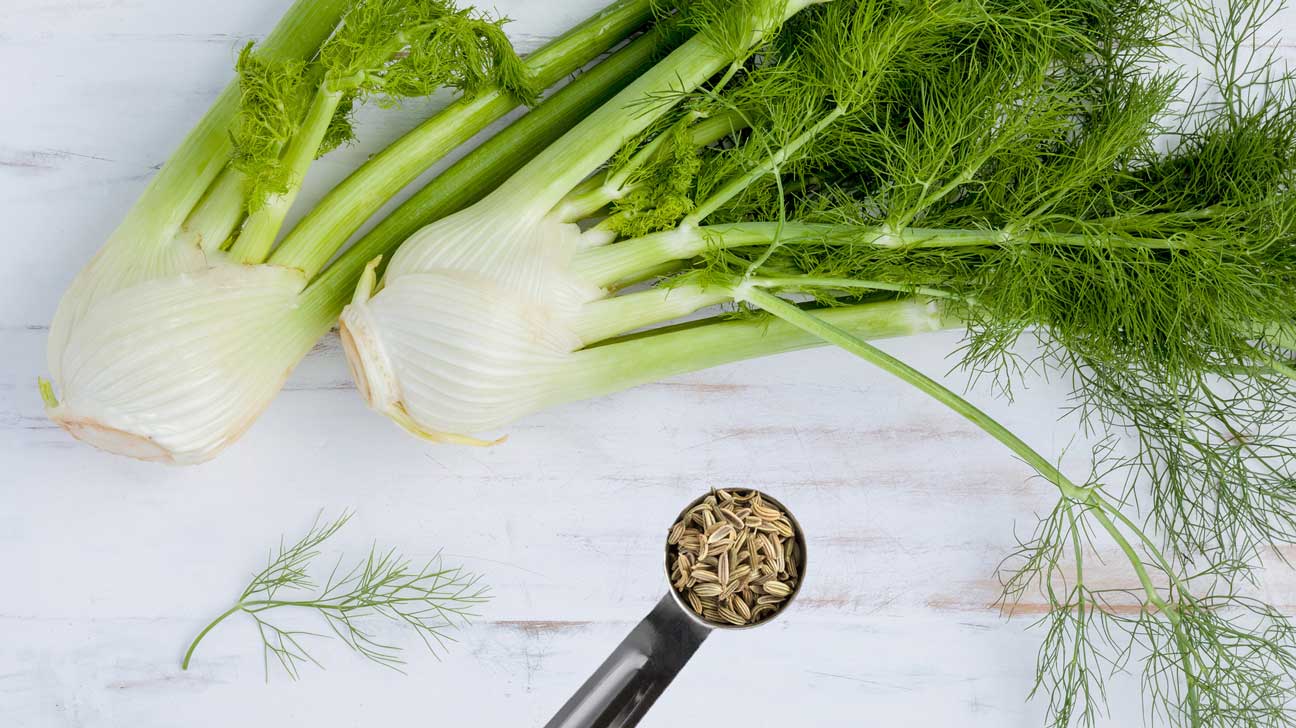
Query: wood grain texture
[111,566]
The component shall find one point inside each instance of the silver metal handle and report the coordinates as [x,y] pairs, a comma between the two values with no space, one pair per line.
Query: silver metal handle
[625,686]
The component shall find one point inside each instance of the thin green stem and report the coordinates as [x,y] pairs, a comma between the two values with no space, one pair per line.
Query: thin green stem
[866,351]
[811,324]
[1154,596]
[262,226]
[1140,569]
[622,260]
[735,187]
[314,241]
[1148,544]
[776,238]
[341,603]
[1078,549]
[798,317]
[184,664]
[725,79]
[803,282]
[614,316]
[1081,607]
[717,126]
[606,265]
[594,194]
[642,358]
[1169,609]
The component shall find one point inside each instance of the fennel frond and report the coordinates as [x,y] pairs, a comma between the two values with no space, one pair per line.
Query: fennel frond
[430,599]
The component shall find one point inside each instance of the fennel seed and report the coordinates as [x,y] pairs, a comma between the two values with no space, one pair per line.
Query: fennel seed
[710,589]
[676,533]
[734,557]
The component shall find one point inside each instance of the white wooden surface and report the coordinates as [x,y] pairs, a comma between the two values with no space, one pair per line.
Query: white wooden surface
[108,567]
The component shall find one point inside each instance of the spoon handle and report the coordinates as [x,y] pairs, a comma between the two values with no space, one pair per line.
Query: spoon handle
[625,686]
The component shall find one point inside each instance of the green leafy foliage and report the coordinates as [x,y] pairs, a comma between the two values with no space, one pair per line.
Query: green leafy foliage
[274,97]
[661,192]
[1146,245]
[1075,657]
[1046,171]
[729,24]
[1238,652]
[407,48]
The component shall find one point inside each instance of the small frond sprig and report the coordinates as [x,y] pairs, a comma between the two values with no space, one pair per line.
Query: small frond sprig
[408,48]
[430,599]
[1082,645]
[729,25]
[661,191]
[273,96]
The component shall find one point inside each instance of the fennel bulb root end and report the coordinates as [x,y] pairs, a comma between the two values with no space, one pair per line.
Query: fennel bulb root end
[111,439]
[368,365]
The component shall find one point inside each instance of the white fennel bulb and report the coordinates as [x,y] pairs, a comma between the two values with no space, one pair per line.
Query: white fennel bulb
[462,334]
[174,369]
[120,264]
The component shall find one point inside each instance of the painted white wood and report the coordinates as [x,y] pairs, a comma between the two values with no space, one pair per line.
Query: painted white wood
[110,566]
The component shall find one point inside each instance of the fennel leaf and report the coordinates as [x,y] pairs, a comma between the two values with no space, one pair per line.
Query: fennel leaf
[430,599]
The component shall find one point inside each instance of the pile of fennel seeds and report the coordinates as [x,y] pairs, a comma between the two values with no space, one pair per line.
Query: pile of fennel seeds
[734,557]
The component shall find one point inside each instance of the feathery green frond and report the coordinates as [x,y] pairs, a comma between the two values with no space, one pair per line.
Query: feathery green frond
[273,100]
[429,599]
[395,49]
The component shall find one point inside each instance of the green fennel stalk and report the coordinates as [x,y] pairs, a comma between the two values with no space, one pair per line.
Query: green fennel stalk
[390,49]
[186,174]
[478,172]
[158,215]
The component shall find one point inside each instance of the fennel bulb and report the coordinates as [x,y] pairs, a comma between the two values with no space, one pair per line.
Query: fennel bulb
[491,326]
[175,368]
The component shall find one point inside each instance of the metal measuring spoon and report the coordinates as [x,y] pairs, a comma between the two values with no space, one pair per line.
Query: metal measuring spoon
[629,681]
